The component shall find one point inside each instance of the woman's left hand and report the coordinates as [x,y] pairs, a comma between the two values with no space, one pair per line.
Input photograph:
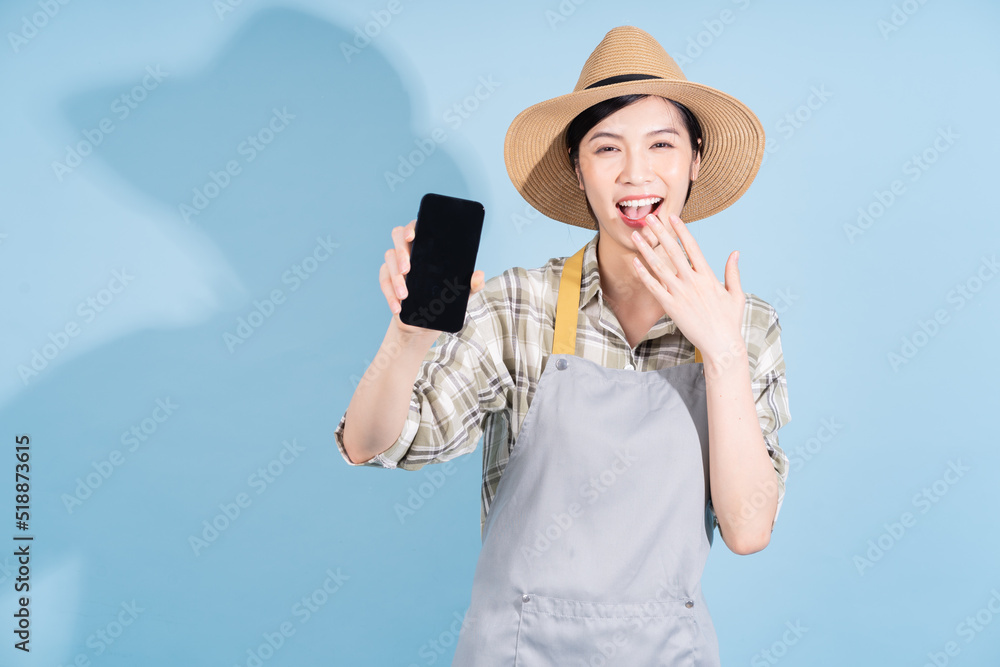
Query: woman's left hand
[709,314]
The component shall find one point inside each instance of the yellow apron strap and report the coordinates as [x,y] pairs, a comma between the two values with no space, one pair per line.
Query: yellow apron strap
[568,307]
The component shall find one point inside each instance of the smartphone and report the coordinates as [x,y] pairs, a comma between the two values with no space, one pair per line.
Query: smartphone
[442,260]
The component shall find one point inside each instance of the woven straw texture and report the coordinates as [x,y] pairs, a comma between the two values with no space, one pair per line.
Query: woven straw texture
[535,146]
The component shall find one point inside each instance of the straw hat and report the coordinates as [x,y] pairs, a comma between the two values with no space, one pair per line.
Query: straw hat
[628,60]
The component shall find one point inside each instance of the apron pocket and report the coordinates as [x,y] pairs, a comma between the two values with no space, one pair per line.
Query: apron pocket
[577,633]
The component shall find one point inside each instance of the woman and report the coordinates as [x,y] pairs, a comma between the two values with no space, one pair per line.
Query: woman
[630,400]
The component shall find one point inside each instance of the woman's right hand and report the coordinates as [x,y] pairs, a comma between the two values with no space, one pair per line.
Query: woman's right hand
[392,274]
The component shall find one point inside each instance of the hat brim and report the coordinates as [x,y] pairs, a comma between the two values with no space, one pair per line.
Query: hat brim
[538,162]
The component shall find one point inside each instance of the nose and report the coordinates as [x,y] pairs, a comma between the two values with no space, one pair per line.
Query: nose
[636,169]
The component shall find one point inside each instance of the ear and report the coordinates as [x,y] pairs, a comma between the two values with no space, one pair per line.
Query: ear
[695,164]
[579,177]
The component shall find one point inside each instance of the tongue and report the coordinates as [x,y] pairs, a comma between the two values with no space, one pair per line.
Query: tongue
[637,212]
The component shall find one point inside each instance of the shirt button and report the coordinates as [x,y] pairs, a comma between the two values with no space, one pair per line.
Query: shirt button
[689,604]
[630,366]
[561,363]
[525,597]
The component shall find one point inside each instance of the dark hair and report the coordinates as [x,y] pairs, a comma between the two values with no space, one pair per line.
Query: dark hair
[591,116]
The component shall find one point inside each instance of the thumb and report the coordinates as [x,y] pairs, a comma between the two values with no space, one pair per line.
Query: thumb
[733,273]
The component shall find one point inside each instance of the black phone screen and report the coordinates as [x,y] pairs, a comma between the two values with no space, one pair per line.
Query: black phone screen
[442,261]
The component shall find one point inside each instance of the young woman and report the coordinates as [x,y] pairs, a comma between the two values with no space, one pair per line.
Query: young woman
[630,400]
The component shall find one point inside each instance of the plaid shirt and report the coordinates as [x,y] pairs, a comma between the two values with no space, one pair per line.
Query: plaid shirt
[481,380]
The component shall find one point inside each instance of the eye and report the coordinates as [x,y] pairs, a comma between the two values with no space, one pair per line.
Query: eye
[601,149]
[663,143]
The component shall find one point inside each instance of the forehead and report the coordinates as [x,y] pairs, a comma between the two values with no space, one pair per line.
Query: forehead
[648,114]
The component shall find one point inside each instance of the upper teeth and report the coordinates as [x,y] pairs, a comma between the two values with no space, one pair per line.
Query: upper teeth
[640,202]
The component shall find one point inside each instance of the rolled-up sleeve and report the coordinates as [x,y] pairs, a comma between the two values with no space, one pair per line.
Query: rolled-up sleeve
[771,397]
[460,382]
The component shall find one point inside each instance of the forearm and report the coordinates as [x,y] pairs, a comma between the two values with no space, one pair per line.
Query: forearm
[742,476]
[377,411]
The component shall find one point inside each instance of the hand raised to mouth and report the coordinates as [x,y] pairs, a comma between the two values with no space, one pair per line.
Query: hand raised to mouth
[708,313]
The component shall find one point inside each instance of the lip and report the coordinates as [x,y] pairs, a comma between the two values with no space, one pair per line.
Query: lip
[636,224]
[640,196]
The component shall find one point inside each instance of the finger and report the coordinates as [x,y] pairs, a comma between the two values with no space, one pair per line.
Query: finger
[411,233]
[478,281]
[657,263]
[654,243]
[654,286]
[385,283]
[690,245]
[672,245]
[667,228]
[402,246]
[664,232]
[733,273]
[397,280]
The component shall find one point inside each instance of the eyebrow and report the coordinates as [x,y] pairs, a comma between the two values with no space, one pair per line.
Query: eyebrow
[612,135]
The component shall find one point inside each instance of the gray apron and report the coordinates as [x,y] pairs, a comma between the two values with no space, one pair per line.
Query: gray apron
[594,545]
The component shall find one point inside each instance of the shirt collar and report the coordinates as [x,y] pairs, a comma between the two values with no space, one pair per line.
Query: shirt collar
[590,288]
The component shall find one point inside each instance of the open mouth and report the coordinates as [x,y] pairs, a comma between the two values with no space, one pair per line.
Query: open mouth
[639,213]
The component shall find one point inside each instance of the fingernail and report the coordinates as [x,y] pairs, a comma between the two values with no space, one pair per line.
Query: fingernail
[401,292]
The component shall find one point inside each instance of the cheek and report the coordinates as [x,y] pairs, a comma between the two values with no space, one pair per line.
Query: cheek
[593,179]
[668,165]
[677,168]
[599,176]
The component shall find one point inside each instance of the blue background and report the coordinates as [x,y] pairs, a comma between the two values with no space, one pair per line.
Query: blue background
[868,436]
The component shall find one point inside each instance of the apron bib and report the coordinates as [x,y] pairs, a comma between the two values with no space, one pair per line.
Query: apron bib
[594,546]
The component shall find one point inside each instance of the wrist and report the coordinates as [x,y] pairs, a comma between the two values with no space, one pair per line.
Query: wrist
[722,359]
[407,334]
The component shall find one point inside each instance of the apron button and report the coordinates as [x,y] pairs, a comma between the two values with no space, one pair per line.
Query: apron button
[561,363]
[525,597]
[689,604]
